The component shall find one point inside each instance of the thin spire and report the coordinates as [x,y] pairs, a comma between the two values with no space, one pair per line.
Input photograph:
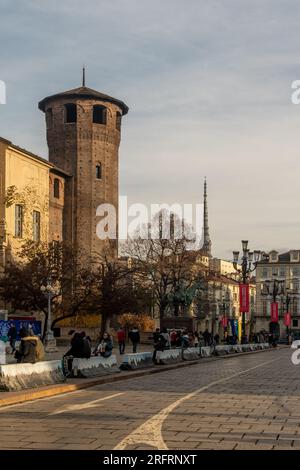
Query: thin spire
[206,247]
[83,76]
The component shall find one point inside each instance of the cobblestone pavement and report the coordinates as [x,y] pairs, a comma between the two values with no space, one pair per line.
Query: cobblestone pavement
[245,402]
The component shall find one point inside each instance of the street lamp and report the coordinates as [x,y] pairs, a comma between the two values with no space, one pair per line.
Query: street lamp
[273,288]
[49,291]
[249,260]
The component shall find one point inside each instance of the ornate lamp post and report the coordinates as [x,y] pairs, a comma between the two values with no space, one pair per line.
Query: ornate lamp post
[49,292]
[273,288]
[248,264]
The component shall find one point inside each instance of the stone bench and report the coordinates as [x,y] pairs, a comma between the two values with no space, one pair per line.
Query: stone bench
[14,377]
[136,360]
[190,354]
[205,351]
[237,348]
[169,356]
[222,350]
[94,366]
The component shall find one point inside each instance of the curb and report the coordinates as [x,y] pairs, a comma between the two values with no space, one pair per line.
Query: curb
[52,390]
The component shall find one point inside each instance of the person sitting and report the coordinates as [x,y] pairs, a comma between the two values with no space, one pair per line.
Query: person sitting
[104,346]
[31,348]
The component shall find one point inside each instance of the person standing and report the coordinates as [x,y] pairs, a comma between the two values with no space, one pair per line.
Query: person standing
[166,336]
[121,339]
[207,338]
[134,336]
[12,336]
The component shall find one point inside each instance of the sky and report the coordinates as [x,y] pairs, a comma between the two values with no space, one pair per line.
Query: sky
[208,84]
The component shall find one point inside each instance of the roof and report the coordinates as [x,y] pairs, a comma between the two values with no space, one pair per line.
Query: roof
[84,92]
[282,258]
[33,155]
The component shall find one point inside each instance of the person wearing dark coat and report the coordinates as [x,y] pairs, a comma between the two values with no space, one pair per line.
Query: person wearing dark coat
[27,349]
[134,336]
[12,336]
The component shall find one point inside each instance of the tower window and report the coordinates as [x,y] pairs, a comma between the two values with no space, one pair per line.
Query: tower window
[99,114]
[98,171]
[19,221]
[56,188]
[118,120]
[36,226]
[70,112]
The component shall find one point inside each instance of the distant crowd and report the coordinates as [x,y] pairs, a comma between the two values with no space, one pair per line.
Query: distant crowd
[31,347]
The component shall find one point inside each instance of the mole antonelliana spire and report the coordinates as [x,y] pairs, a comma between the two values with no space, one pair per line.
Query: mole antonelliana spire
[206,247]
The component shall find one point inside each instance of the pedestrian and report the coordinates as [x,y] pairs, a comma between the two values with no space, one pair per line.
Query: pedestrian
[196,339]
[166,336]
[217,338]
[191,340]
[31,348]
[104,347]
[121,339]
[86,345]
[159,345]
[12,336]
[207,338]
[173,338]
[156,335]
[185,340]
[134,336]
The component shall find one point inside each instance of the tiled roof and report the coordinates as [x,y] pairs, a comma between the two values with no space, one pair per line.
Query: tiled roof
[84,92]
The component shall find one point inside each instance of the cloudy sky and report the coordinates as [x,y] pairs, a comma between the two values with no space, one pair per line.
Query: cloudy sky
[208,84]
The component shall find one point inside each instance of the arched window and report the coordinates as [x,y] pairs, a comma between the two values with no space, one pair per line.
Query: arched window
[98,171]
[56,188]
[70,112]
[99,114]
[118,120]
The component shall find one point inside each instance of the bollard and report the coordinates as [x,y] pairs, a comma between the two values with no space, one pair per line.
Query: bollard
[2,352]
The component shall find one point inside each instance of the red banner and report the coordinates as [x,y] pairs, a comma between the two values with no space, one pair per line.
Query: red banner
[287,319]
[274,312]
[244,297]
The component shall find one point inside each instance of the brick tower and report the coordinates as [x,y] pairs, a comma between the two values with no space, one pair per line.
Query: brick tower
[83,137]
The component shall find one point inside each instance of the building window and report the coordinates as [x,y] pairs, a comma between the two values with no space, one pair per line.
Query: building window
[118,120]
[98,171]
[56,188]
[282,272]
[70,112]
[36,226]
[99,114]
[265,273]
[19,221]
[264,308]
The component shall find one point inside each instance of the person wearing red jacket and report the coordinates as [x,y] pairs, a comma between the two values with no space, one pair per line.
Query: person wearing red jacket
[121,340]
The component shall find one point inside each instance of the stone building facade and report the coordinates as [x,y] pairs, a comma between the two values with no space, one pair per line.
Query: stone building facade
[285,267]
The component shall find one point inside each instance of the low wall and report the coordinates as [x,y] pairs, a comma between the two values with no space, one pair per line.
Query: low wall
[190,354]
[94,366]
[15,377]
[205,351]
[169,356]
[136,360]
